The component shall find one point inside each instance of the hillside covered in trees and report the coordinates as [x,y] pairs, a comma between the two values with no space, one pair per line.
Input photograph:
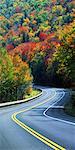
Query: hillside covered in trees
[37,44]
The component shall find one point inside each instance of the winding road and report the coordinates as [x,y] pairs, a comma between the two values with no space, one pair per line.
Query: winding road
[39,124]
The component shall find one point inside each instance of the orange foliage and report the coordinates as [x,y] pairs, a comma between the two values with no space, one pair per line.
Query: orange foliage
[26,49]
[21,70]
[2,18]
[9,47]
[42,36]
[23,29]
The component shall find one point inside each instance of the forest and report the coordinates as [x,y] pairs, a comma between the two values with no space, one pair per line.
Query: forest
[37,45]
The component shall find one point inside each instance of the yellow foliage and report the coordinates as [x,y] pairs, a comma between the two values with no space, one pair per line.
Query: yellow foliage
[34,22]
[29,90]
[27,20]
[21,70]
[31,34]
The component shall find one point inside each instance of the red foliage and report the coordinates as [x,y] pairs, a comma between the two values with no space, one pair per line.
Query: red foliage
[56,43]
[26,49]
[50,36]
[42,36]
[9,47]
[45,46]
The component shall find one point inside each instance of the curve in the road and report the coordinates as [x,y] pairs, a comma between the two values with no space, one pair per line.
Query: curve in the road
[52,107]
[42,138]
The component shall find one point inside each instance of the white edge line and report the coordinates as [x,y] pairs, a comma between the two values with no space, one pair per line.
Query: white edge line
[52,106]
[20,101]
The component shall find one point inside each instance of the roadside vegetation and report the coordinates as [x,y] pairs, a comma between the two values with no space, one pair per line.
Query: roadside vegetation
[70,107]
[15,77]
[31,94]
[37,44]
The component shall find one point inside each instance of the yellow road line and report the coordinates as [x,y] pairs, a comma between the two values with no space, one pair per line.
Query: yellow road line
[42,138]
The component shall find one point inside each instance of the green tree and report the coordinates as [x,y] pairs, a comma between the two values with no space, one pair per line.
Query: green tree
[6,76]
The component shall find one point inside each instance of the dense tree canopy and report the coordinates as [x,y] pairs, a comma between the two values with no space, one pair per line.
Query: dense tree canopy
[39,34]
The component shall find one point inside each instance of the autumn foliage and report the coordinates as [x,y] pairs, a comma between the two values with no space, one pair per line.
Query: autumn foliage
[38,38]
[15,77]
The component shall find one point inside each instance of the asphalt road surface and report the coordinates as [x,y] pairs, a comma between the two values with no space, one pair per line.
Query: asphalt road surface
[40,124]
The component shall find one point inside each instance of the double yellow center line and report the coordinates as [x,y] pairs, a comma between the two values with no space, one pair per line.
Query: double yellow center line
[39,136]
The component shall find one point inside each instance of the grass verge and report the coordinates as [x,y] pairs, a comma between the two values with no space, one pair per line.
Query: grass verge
[70,106]
[33,93]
